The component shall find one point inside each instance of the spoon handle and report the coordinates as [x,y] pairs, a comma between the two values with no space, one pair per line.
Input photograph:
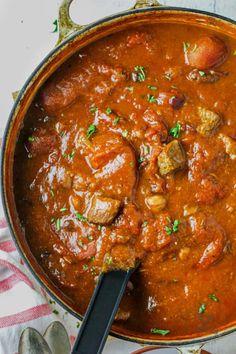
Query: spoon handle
[101,312]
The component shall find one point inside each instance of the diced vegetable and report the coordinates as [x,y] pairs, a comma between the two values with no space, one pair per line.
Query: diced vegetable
[210,121]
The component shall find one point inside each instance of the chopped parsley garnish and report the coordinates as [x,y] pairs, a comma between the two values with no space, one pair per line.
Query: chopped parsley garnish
[85,267]
[162,332]
[99,227]
[151,99]
[116,121]
[202,309]
[91,130]
[146,149]
[92,259]
[62,133]
[152,87]
[93,109]
[51,301]
[145,223]
[175,131]
[141,76]
[125,133]
[56,312]
[213,297]
[52,192]
[173,228]
[202,73]
[77,324]
[80,217]
[108,110]
[90,237]
[194,48]
[130,89]
[31,139]
[58,224]
[63,209]
[55,23]
[186,46]
[108,260]
[71,155]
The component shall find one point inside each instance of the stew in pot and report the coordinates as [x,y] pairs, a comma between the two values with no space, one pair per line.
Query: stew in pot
[128,154]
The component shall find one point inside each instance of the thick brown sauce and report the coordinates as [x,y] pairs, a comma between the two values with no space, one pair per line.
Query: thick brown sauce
[57,171]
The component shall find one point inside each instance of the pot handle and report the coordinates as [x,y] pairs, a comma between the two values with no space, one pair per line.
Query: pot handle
[66,26]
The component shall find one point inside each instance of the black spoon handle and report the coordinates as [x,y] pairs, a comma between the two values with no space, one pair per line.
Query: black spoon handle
[101,312]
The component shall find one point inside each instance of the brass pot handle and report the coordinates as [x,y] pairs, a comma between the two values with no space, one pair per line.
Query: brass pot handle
[66,26]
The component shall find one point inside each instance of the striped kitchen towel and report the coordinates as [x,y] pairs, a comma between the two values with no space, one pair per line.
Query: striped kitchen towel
[22,302]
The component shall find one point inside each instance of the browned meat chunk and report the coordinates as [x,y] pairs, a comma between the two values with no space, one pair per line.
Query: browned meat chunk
[206,53]
[40,145]
[120,257]
[171,158]
[209,77]
[209,191]
[210,122]
[158,124]
[172,98]
[58,94]
[229,144]
[102,210]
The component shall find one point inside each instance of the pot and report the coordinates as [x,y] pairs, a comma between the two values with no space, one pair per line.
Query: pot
[72,37]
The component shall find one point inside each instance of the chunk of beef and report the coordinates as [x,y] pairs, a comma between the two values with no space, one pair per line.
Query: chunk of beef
[120,257]
[42,144]
[206,53]
[208,77]
[102,210]
[210,122]
[230,145]
[159,126]
[209,190]
[172,158]
[154,234]
[115,163]
[59,93]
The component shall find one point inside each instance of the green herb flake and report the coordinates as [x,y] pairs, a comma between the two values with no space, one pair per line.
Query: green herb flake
[62,133]
[90,237]
[130,89]
[141,75]
[85,267]
[52,220]
[125,133]
[71,155]
[116,121]
[108,110]
[52,193]
[77,324]
[176,224]
[31,139]
[162,332]
[92,259]
[99,227]
[146,150]
[168,230]
[151,99]
[186,47]
[93,109]
[55,23]
[58,224]
[63,209]
[108,260]
[51,302]
[56,312]
[213,297]
[202,309]
[152,87]
[202,73]
[91,130]
[80,217]
[175,131]
[145,223]
[194,48]
[141,159]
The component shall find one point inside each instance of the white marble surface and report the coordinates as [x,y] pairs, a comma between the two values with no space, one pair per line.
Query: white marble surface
[26,37]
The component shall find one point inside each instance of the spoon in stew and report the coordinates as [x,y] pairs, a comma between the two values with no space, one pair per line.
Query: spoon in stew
[101,311]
